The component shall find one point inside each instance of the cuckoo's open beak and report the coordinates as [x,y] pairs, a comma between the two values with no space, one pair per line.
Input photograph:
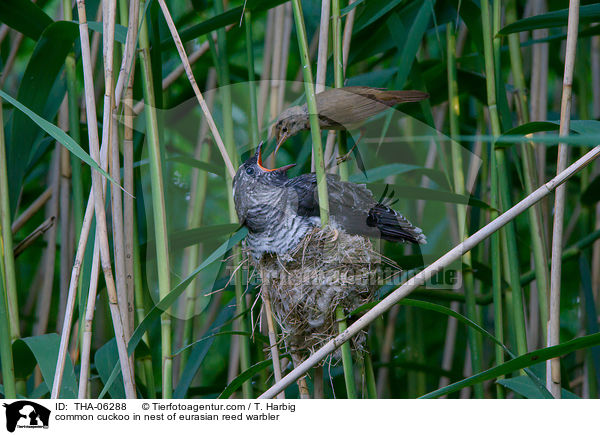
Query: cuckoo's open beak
[260,162]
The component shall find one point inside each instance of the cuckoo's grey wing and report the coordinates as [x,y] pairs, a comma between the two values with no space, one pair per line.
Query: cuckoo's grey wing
[353,208]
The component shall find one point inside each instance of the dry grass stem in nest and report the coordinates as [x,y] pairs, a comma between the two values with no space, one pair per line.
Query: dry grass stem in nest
[328,269]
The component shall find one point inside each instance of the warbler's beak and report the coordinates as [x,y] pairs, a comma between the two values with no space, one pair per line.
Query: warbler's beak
[260,162]
[281,140]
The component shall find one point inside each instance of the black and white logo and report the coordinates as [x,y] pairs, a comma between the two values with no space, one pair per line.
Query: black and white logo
[26,415]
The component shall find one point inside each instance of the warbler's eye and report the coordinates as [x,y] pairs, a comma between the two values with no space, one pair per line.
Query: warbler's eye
[284,129]
[250,170]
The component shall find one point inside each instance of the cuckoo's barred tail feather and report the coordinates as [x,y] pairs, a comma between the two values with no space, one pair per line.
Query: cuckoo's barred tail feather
[393,226]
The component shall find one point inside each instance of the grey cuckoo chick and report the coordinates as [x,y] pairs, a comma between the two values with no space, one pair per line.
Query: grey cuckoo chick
[279,211]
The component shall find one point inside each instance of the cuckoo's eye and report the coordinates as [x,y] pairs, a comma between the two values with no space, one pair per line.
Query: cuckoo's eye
[250,171]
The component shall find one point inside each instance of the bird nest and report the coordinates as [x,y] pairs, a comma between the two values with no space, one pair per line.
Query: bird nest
[327,270]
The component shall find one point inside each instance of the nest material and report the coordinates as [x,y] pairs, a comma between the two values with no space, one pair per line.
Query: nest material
[328,269]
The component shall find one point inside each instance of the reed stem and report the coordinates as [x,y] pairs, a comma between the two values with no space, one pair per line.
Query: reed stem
[158,207]
[461,210]
[503,183]
[273,342]
[346,356]
[9,324]
[8,259]
[74,129]
[140,310]
[529,174]
[311,102]
[553,380]
[370,376]
[322,53]
[254,131]
[338,74]
[226,107]
[6,355]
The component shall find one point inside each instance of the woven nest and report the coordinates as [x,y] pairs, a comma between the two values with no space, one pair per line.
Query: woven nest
[329,269]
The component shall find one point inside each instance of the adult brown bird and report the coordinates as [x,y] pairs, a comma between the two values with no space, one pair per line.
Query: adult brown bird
[341,109]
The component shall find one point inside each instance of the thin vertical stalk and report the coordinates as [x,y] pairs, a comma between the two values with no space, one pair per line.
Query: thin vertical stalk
[461,211]
[370,377]
[118,306]
[449,346]
[275,82]
[97,183]
[285,54]
[323,46]
[6,355]
[195,215]
[302,386]
[346,355]
[74,130]
[386,351]
[263,88]
[348,27]
[553,380]
[140,311]
[336,30]
[73,285]
[254,130]
[338,75]
[8,259]
[313,114]
[9,324]
[74,183]
[118,230]
[529,175]
[410,351]
[539,104]
[496,271]
[129,17]
[127,63]
[49,258]
[503,183]
[10,61]
[312,52]
[273,342]
[65,217]
[128,208]
[318,387]
[158,208]
[322,56]
[86,339]
[95,49]
[226,107]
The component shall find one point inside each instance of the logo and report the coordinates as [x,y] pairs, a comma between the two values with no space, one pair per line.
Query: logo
[26,415]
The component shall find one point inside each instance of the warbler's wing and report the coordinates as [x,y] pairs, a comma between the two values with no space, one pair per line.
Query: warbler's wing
[343,107]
